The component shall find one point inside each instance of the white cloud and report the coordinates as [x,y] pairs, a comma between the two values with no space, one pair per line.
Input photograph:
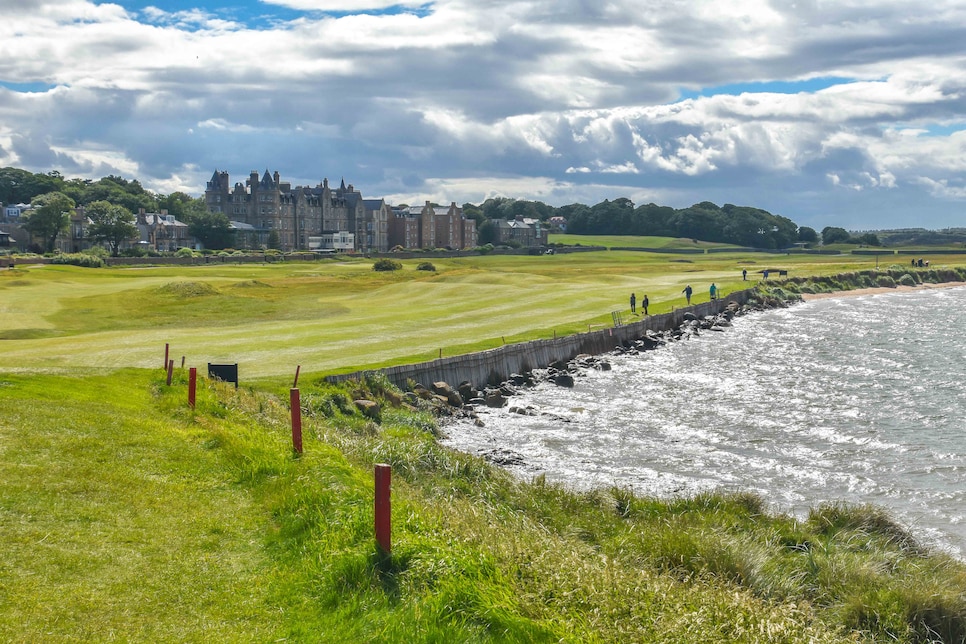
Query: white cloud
[559,99]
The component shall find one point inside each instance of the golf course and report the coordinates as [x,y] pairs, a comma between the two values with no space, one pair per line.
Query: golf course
[128,515]
[339,315]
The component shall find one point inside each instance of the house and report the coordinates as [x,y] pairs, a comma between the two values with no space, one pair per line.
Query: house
[430,226]
[161,231]
[524,231]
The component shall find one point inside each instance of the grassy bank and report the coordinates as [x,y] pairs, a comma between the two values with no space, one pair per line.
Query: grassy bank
[128,516]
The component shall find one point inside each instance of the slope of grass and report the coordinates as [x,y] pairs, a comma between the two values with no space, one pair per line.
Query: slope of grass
[127,516]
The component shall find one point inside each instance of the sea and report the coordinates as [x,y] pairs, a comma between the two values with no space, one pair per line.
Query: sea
[858,399]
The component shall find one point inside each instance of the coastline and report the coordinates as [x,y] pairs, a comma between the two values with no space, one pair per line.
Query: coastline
[878,290]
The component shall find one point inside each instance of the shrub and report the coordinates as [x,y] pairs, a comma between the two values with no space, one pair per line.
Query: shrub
[78,259]
[907,280]
[96,251]
[184,252]
[386,264]
[485,248]
[425,266]
[886,281]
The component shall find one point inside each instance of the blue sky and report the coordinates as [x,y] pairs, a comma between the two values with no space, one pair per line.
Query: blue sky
[844,114]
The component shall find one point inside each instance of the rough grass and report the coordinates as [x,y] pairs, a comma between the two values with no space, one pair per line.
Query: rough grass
[128,516]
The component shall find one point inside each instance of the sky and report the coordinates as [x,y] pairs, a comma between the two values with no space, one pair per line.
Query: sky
[847,113]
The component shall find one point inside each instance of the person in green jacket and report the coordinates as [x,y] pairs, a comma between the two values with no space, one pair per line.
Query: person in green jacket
[714,291]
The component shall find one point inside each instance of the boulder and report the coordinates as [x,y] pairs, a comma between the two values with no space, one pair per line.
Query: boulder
[466,390]
[395,399]
[563,380]
[441,388]
[369,408]
[495,399]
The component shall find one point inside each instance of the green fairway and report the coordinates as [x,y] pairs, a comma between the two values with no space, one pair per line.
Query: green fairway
[332,316]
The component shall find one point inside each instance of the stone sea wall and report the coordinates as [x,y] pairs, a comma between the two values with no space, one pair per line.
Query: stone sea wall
[494,366]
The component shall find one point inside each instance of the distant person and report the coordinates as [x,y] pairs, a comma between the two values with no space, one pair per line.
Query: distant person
[913,261]
[687,293]
[744,274]
[633,304]
[714,291]
[644,303]
[764,273]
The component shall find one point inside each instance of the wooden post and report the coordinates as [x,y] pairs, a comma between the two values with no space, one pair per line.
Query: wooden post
[296,404]
[383,507]
[182,362]
[166,348]
[192,386]
[170,371]
[298,368]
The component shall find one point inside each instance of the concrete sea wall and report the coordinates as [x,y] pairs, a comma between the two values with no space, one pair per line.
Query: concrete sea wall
[493,366]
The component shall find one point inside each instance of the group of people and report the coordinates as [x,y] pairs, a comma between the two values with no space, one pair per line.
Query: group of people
[688,292]
[644,304]
[919,263]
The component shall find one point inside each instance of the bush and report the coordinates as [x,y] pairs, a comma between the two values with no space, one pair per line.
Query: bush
[425,266]
[78,259]
[886,281]
[485,248]
[184,252]
[97,251]
[386,264]
[907,280]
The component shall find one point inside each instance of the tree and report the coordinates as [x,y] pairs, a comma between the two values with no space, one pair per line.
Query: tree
[807,235]
[274,241]
[833,235]
[49,217]
[212,229]
[112,224]
[488,233]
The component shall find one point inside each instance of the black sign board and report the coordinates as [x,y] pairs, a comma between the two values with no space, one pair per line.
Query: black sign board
[226,372]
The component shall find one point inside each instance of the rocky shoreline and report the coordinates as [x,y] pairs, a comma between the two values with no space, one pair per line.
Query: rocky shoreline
[460,403]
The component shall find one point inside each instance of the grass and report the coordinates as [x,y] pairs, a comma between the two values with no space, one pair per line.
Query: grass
[128,516]
[331,316]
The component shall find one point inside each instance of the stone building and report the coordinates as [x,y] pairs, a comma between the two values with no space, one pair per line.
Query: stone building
[432,226]
[523,230]
[266,205]
[161,231]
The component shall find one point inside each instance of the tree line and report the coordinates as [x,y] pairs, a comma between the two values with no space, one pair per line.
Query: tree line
[110,202]
[705,221]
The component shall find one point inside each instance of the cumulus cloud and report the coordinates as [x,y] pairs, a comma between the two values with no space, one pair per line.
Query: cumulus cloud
[560,101]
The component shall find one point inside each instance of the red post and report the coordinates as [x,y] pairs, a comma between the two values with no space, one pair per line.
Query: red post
[170,371]
[383,508]
[166,347]
[192,386]
[297,369]
[296,403]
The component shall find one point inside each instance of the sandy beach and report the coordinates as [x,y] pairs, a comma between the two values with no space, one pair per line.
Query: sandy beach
[877,291]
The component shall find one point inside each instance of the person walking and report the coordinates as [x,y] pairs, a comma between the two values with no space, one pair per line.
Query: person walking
[714,291]
[687,293]
[633,304]
[644,303]
[744,274]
